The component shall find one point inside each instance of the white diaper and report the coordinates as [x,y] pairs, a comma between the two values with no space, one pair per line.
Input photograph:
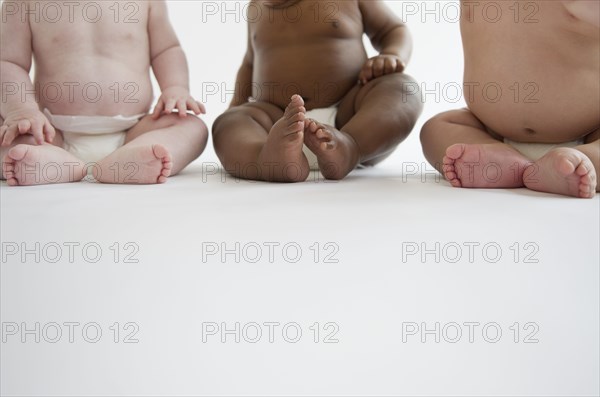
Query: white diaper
[91,138]
[535,151]
[323,116]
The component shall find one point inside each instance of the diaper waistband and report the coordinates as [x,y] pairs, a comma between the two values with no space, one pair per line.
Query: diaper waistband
[93,124]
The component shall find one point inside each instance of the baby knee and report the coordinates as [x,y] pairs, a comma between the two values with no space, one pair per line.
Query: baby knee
[190,121]
[197,126]
[239,114]
[400,83]
[439,122]
[228,115]
[435,126]
[223,117]
[404,89]
[196,123]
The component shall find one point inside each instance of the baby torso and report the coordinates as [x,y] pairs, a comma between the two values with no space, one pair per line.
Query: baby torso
[91,57]
[531,70]
[311,48]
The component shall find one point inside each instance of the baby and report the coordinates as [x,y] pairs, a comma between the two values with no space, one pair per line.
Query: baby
[533,89]
[345,110]
[92,92]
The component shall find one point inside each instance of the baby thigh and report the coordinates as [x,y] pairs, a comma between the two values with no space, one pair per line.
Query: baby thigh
[185,138]
[449,128]
[239,135]
[380,115]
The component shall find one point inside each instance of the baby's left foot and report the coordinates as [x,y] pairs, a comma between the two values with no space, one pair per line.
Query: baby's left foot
[563,171]
[336,152]
[143,165]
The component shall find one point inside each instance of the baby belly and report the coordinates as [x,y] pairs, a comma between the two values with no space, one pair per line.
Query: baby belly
[533,111]
[317,91]
[322,80]
[97,91]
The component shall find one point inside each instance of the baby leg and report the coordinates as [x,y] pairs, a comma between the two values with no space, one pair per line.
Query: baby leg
[25,163]
[259,141]
[374,119]
[568,171]
[458,145]
[154,150]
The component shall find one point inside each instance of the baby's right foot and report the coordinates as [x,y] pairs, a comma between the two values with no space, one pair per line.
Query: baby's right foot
[26,165]
[563,171]
[281,158]
[484,166]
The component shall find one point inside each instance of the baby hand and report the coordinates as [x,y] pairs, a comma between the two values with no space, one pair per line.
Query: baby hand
[26,121]
[380,65]
[177,98]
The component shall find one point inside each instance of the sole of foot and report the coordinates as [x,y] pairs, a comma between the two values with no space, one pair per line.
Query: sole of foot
[564,171]
[281,158]
[336,151]
[130,164]
[484,166]
[27,165]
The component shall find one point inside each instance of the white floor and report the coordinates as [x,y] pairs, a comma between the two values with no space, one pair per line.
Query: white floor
[380,295]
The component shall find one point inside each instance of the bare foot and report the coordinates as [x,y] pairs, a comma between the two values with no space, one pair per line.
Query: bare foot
[493,165]
[281,158]
[563,171]
[26,165]
[336,151]
[131,164]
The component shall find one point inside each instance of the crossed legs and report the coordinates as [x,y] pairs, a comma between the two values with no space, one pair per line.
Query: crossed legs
[260,141]
[458,145]
[153,151]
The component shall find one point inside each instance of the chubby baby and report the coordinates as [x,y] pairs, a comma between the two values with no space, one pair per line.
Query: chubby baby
[87,107]
[307,95]
[532,85]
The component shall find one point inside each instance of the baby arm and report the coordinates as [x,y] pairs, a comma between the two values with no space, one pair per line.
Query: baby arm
[243,82]
[389,36]
[20,112]
[170,65]
[586,10]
